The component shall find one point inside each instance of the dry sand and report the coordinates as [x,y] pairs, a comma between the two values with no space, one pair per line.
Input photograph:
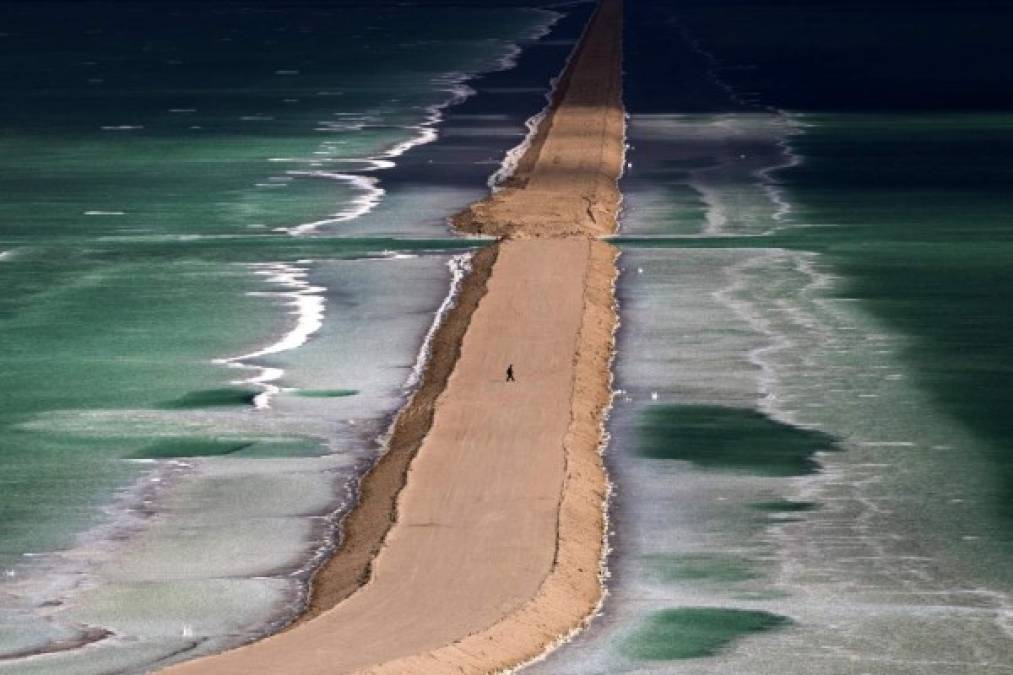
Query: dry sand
[477,538]
[566,183]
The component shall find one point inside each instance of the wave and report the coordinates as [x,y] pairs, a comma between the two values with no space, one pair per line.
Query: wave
[771,185]
[455,83]
[307,304]
[509,60]
[133,508]
[369,185]
[459,266]
[371,195]
[791,122]
[51,578]
[513,156]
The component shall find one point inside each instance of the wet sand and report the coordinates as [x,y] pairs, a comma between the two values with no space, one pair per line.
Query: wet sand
[477,538]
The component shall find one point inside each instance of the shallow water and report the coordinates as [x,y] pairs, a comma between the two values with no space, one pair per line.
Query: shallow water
[821,283]
[223,247]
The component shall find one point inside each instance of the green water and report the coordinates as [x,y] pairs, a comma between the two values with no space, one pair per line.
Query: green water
[714,568]
[120,282]
[151,157]
[327,393]
[121,335]
[715,437]
[695,632]
[866,312]
[222,396]
[942,271]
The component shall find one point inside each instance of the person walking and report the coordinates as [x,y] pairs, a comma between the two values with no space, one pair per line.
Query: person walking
[510,373]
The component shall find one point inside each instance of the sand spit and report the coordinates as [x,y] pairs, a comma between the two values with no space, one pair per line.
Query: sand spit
[364,527]
[566,183]
[477,540]
[572,589]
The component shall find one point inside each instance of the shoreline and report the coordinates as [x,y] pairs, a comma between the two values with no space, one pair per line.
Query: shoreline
[363,529]
[564,587]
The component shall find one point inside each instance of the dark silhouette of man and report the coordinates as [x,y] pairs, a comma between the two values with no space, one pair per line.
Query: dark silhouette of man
[510,373]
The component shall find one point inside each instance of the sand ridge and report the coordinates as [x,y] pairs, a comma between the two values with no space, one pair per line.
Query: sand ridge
[477,539]
[565,185]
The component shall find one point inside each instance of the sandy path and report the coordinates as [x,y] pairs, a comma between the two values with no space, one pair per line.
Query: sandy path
[495,550]
[477,531]
[567,187]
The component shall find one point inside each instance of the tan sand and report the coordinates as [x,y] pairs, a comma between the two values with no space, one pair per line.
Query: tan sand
[566,183]
[488,550]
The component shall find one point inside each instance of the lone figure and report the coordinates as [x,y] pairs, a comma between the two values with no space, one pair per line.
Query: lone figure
[510,373]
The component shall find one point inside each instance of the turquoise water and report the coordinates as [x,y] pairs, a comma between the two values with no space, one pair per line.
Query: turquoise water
[695,632]
[222,246]
[729,439]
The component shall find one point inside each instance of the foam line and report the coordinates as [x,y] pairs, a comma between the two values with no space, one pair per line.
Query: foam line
[371,195]
[770,185]
[455,83]
[307,305]
[459,266]
[425,133]
[514,154]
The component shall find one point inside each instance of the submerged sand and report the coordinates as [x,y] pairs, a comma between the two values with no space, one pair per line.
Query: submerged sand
[477,538]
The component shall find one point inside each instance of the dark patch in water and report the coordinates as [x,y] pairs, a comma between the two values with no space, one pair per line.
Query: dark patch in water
[716,437]
[707,567]
[212,398]
[190,447]
[327,393]
[784,506]
[694,632]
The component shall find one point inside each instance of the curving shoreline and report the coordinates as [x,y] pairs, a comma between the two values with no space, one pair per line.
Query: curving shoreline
[365,526]
[477,538]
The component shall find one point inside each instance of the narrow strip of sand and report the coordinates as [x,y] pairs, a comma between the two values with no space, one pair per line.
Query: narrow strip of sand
[490,551]
[565,185]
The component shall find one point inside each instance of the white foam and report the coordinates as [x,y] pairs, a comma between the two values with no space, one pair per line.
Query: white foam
[426,132]
[791,159]
[394,255]
[371,195]
[509,60]
[513,156]
[122,127]
[459,266]
[307,304]
[791,122]
[105,213]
